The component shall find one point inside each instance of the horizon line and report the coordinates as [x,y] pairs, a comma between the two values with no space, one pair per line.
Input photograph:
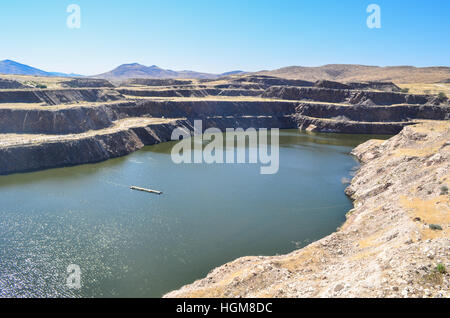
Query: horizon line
[233,70]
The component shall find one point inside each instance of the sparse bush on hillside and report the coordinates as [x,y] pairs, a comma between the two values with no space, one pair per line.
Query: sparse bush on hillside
[41,86]
[404,90]
[440,268]
[442,96]
[435,227]
[444,190]
[436,276]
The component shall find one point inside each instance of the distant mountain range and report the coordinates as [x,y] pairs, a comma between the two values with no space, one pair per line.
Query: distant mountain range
[122,72]
[12,67]
[333,72]
[136,70]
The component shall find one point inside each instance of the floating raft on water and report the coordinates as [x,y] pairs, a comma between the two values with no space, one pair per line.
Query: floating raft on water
[146,190]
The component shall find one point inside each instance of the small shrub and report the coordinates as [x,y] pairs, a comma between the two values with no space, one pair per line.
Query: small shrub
[404,90]
[435,227]
[440,268]
[442,96]
[41,86]
[444,190]
[434,278]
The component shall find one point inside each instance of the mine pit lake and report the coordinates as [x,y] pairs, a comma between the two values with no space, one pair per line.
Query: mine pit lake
[135,244]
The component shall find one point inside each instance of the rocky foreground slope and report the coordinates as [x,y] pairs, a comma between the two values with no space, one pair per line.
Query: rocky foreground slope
[395,242]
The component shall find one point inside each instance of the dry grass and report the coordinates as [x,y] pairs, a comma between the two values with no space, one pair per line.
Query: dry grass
[50,82]
[426,88]
[432,211]
[309,255]
[414,152]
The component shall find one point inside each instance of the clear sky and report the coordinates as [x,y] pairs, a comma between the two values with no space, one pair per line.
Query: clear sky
[222,35]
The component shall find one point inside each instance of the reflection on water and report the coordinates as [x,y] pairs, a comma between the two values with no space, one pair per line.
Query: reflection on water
[135,244]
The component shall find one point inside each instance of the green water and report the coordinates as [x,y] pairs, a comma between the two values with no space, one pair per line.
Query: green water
[134,244]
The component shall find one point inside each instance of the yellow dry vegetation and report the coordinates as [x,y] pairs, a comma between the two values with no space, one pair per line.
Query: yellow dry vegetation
[218,289]
[427,88]
[371,240]
[50,82]
[415,152]
[431,211]
[436,126]
[310,255]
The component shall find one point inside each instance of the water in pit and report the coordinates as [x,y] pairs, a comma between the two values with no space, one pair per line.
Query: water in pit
[135,244]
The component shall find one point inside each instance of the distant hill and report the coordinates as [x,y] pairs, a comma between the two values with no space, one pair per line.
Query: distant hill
[331,72]
[233,73]
[12,67]
[354,73]
[136,70]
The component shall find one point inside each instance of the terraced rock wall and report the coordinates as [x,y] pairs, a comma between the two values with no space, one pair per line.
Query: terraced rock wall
[58,96]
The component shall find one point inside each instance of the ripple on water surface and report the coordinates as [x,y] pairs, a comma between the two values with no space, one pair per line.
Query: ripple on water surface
[139,245]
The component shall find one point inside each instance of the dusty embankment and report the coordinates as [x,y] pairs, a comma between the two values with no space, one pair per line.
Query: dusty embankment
[395,242]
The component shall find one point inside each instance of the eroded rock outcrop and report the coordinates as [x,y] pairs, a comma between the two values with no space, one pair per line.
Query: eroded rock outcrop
[55,121]
[25,152]
[58,96]
[10,84]
[88,82]
[155,82]
[382,86]
[353,97]
[22,153]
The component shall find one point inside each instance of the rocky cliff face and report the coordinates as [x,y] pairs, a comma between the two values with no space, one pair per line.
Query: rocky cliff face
[24,152]
[10,84]
[354,97]
[375,113]
[395,242]
[207,108]
[59,96]
[60,121]
[54,151]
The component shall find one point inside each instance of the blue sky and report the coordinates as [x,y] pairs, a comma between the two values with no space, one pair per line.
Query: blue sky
[219,36]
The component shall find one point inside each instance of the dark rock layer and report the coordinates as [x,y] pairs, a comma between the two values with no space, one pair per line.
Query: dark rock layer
[58,96]
[346,96]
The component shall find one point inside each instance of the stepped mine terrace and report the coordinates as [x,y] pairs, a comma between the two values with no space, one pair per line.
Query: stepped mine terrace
[76,121]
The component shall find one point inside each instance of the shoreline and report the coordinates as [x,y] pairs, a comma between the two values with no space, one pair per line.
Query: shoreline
[385,248]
